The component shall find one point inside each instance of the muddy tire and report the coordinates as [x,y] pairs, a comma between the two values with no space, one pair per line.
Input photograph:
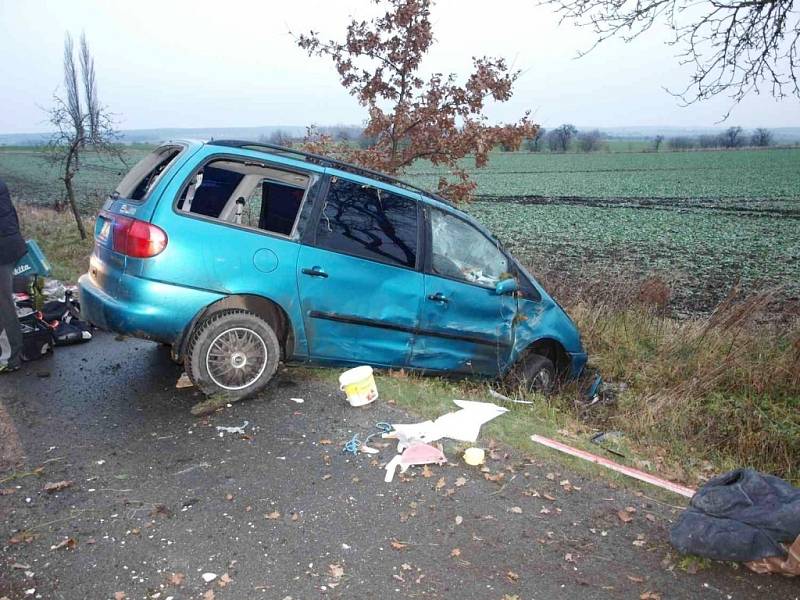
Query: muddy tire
[535,373]
[233,353]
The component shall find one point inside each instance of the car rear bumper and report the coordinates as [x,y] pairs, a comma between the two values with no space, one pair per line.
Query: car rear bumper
[142,308]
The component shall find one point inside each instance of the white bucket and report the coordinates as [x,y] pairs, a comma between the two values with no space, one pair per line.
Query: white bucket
[359,385]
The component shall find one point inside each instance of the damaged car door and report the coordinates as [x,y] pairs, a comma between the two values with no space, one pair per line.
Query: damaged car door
[467,314]
[358,276]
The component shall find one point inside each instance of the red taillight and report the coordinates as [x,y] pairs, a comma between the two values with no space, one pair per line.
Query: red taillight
[138,239]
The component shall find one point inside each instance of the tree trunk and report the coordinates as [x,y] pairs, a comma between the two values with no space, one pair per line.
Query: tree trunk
[69,173]
[74,207]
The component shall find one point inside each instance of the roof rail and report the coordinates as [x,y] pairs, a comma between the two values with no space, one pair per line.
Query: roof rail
[326,161]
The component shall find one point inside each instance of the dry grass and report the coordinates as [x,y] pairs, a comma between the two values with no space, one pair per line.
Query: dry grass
[57,235]
[723,388]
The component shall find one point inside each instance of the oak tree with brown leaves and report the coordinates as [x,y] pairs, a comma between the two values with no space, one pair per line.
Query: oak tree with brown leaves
[412,117]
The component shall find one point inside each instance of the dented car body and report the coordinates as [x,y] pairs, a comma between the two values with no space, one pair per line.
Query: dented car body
[239,255]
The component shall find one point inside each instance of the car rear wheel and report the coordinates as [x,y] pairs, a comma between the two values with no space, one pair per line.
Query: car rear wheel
[535,373]
[232,352]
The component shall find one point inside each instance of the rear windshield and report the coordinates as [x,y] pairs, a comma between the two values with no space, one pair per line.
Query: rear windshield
[136,185]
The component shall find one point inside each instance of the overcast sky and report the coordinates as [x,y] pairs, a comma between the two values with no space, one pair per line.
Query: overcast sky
[170,63]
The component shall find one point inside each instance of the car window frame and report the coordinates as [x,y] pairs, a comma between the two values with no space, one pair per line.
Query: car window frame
[116,195]
[428,269]
[310,239]
[311,190]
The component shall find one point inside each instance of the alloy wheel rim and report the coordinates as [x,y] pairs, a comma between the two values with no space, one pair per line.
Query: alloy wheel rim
[236,358]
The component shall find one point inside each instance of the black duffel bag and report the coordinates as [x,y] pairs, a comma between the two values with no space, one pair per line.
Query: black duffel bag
[37,337]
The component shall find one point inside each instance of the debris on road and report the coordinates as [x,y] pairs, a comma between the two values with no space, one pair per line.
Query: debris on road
[57,486]
[462,425]
[604,462]
[297,400]
[183,382]
[499,396]
[359,386]
[742,516]
[240,430]
[209,577]
[355,445]
[416,454]
[474,456]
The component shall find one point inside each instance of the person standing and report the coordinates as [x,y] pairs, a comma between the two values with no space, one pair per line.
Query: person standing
[12,248]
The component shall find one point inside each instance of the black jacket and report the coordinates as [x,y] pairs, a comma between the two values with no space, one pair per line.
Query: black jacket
[12,246]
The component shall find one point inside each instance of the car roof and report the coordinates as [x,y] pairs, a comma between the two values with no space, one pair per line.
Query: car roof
[326,161]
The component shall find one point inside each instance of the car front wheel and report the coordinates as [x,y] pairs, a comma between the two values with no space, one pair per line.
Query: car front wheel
[535,373]
[232,352]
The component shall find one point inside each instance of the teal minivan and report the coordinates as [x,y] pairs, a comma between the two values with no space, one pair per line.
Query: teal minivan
[240,254]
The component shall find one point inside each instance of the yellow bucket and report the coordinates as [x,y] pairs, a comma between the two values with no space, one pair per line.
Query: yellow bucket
[359,386]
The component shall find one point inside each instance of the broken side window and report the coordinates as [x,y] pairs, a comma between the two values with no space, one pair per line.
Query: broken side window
[368,222]
[460,251]
[138,182]
[248,194]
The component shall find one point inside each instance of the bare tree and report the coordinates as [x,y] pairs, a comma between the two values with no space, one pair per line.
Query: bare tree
[761,137]
[681,142]
[559,139]
[278,137]
[80,121]
[589,141]
[733,137]
[710,140]
[735,46]
[534,144]
[657,141]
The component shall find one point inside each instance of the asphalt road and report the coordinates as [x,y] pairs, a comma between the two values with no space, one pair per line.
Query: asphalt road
[161,497]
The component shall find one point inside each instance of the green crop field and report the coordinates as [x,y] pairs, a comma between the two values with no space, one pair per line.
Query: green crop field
[703,220]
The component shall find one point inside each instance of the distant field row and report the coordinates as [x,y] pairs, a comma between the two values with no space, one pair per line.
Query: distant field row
[741,174]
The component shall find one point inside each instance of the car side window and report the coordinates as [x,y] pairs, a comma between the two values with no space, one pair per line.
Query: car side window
[460,251]
[368,222]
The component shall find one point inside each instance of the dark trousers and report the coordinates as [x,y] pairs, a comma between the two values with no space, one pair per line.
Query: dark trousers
[10,332]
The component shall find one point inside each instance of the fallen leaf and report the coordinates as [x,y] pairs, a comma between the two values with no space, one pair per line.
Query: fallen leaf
[516,510]
[545,511]
[397,577]
[228,497]
[119,596]
[208,595]
[624,516]
[650,596]
[57,486]
[455,552]
[325,442]
[426,472]
[551,476]
[22,537]
[635,579]
[512,576]
[176,579]
[273,515]
[569,558]
[68,543]
[224,580]
[441,483]
[295,516]
[136,531]
[497,477]
[651,518]
[7,491]
[549,497]
[326,477]
[460,482]
[397,545]
[630,509]
[638,543]
[405,567]
[336,571]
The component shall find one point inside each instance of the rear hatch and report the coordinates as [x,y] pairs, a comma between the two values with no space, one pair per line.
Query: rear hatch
[122,230]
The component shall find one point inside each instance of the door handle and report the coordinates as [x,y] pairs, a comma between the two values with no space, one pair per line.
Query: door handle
[438,297]
[314,272]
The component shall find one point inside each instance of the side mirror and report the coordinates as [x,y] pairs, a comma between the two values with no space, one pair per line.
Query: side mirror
[506,286]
